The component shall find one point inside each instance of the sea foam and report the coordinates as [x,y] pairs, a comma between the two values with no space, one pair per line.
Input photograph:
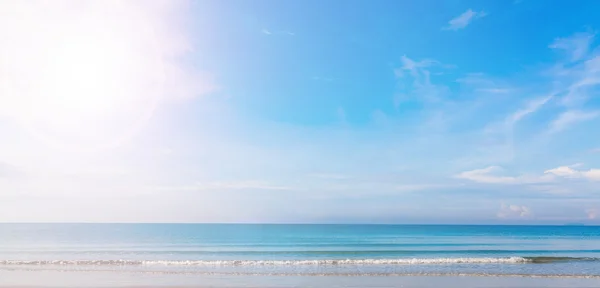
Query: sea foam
[413,261]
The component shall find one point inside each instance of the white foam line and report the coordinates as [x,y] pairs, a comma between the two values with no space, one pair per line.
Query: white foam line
[413,261]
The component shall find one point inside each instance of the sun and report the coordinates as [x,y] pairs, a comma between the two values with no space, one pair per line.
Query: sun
[97,79]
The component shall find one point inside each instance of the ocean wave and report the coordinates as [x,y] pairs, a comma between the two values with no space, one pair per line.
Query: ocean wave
[325,262]
[414,261]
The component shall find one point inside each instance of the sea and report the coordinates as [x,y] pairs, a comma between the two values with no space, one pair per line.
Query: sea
[298,255]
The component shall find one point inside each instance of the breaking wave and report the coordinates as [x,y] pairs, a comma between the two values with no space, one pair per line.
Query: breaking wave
[413,261]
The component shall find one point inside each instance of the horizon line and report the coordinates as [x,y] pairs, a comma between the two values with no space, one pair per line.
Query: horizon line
[309,223]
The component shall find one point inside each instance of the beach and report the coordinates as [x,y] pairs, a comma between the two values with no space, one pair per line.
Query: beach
[20,279]
[257,255]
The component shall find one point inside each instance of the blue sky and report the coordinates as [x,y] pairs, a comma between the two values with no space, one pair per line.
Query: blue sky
[300,111]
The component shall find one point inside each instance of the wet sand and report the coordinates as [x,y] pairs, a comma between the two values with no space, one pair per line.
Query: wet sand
[22,279]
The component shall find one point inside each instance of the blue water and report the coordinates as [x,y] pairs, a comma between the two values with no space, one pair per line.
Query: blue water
[324,250]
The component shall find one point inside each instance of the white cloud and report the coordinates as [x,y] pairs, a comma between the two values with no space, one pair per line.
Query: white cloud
[576,46]
[514,211]
[485,175]
[563,171]
[592,174]
[492,175]
[569,172]
[571,117]
[464,19]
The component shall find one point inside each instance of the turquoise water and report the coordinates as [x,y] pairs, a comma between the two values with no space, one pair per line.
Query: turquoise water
[296,250]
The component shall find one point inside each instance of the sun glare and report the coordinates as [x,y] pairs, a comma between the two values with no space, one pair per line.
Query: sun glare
[86,76]
[97,77]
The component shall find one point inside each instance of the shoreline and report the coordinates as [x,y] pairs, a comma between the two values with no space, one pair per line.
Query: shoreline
[314,275]
[46,279]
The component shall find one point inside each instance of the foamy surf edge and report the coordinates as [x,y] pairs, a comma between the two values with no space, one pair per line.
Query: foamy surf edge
[321,262]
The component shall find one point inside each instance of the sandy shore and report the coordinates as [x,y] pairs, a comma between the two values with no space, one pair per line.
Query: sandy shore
[31,279]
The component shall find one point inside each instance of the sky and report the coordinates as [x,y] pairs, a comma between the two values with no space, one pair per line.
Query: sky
[474,112]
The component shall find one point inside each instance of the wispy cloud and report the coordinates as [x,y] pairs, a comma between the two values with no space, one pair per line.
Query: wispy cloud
[281,32]
[531,107]
[486,175]
[414,78]
[571,82]
[482,83]
[413,66]
[570,118]
[491,175]
[576,46]
[498,137]
[463,20]
[578,73]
